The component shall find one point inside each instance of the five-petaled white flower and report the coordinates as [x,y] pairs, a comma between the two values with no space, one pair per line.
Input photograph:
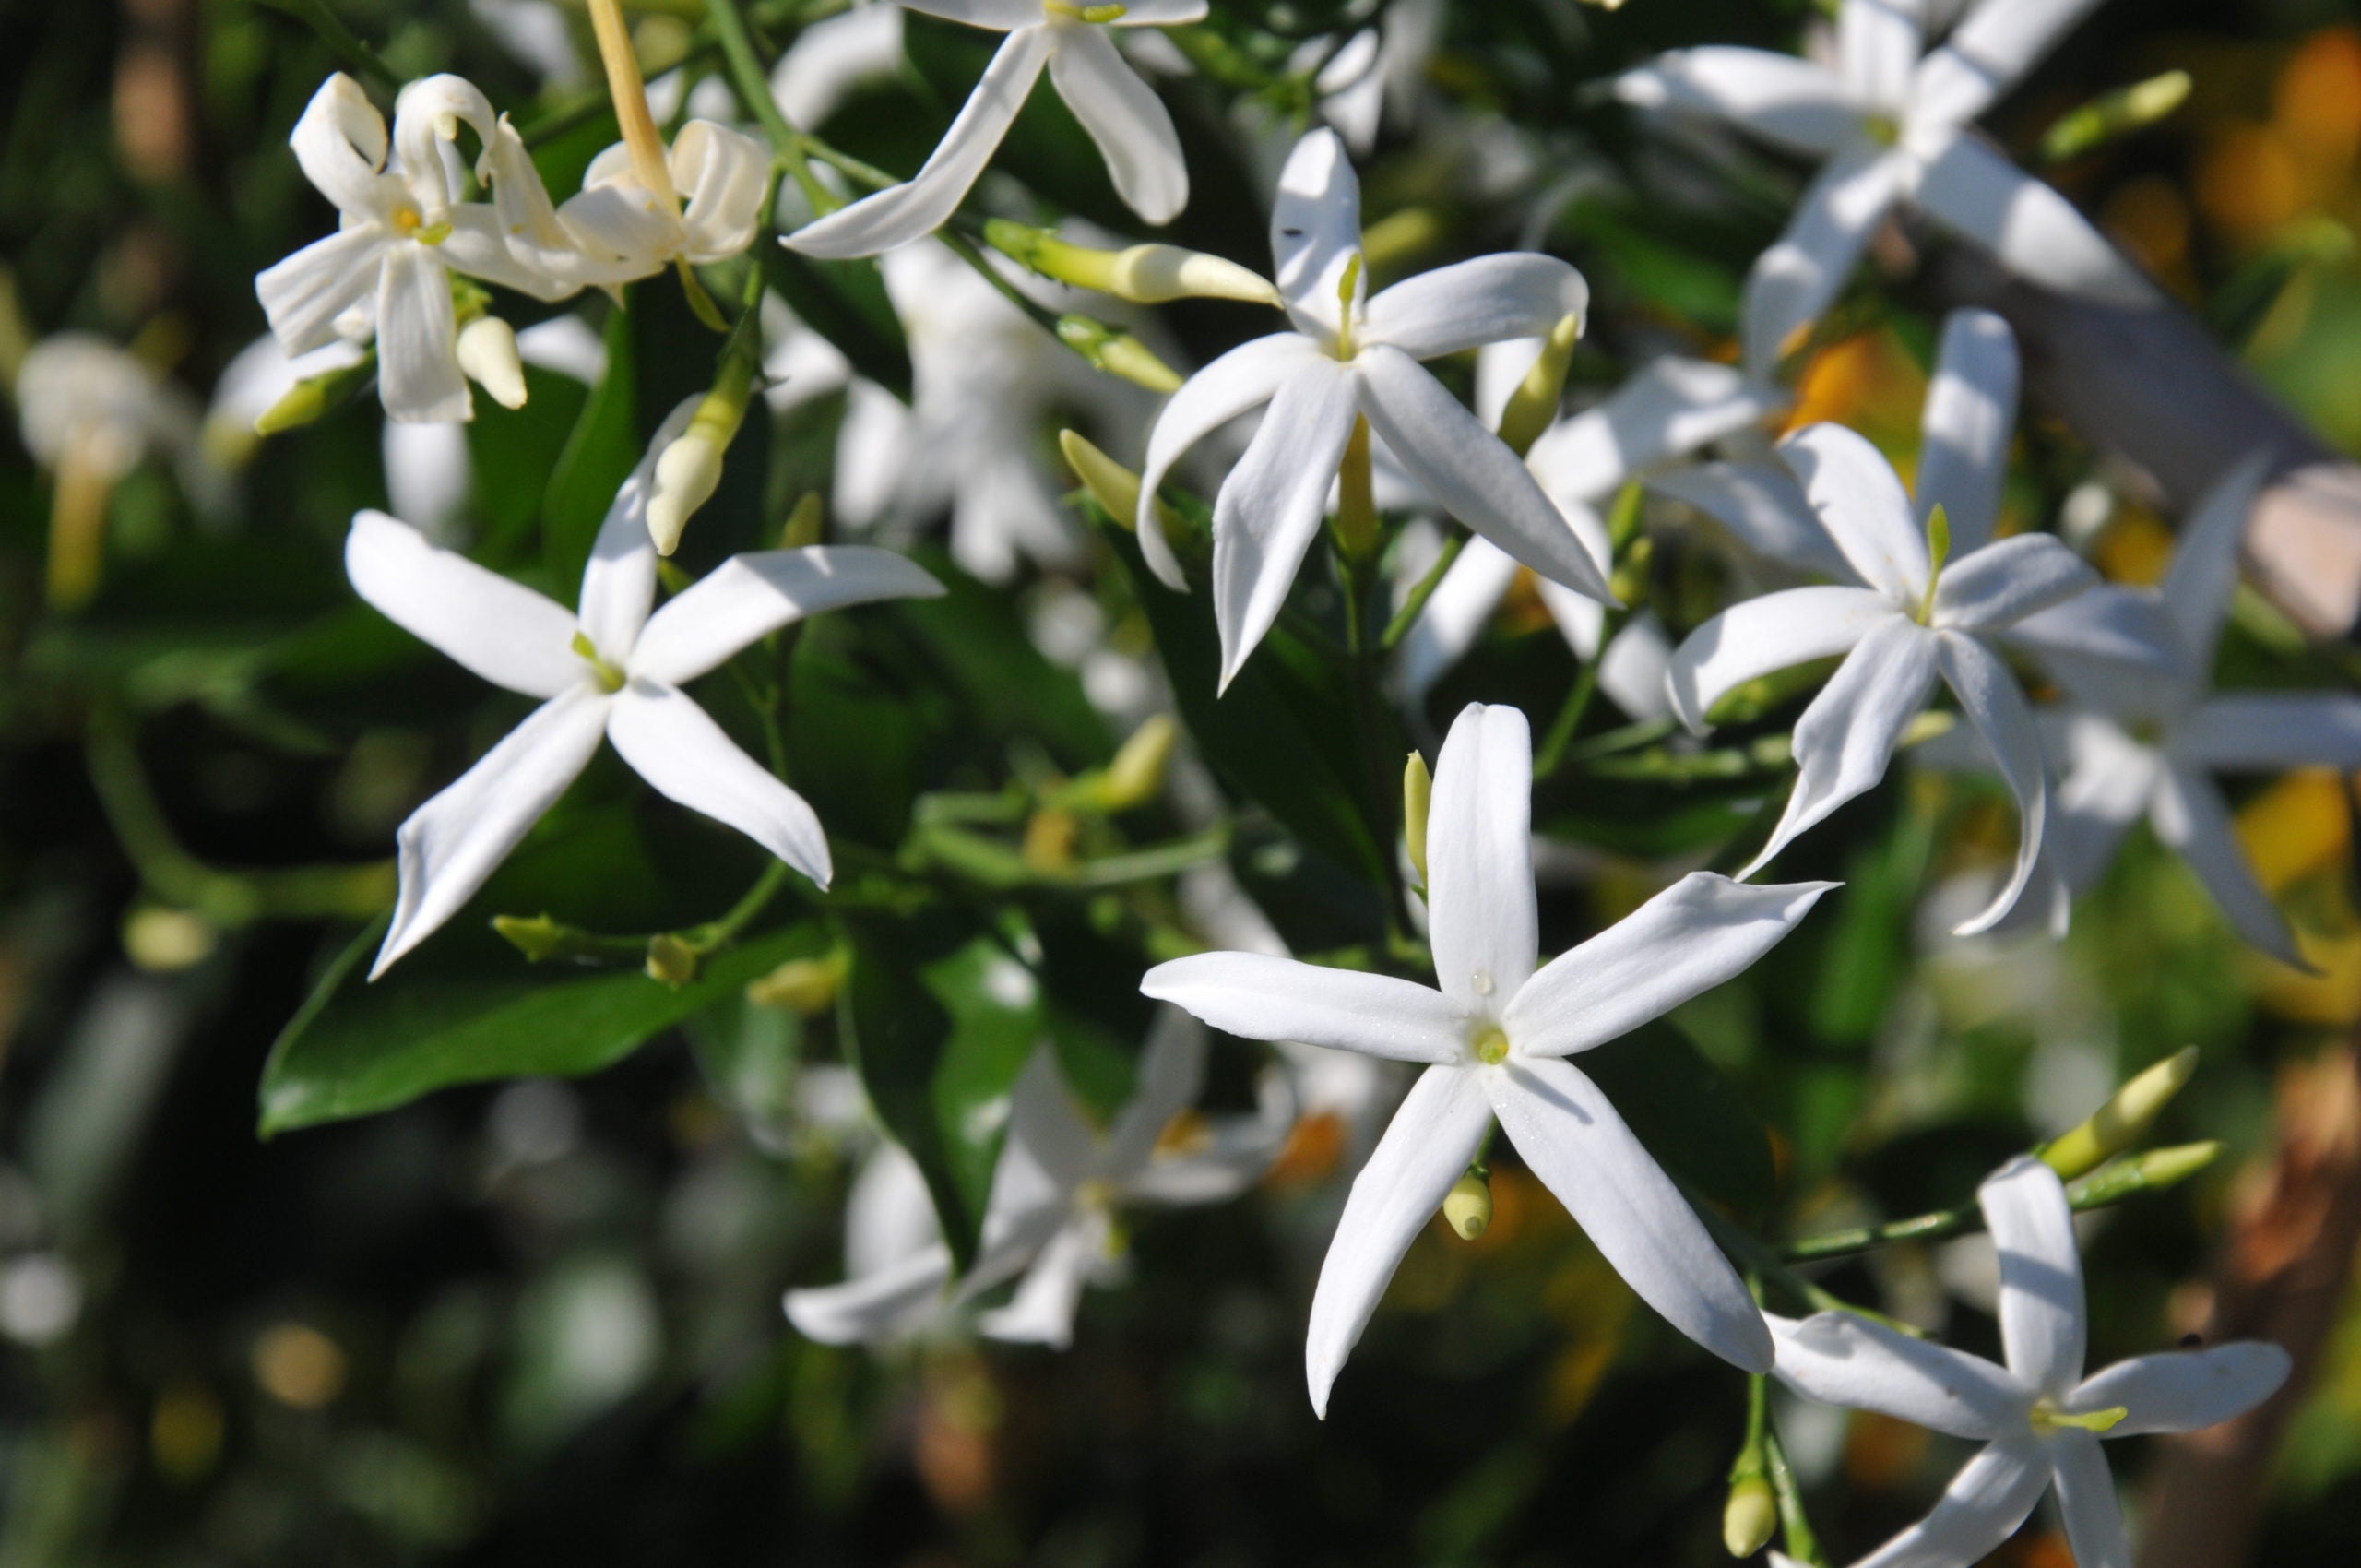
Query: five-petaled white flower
[2133,741]
[1916,616]
[1892,127]
[1051,1217]
[1495,1038]
[1351,357]
[612,671]
[2040,1418]
[386,270]
[1120,111]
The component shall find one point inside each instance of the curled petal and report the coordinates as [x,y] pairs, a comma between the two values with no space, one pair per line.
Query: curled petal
[1243,378]
[1129,123]
[722,175]
[888,1304]
[1988,697]
[1848,735]
[339,142]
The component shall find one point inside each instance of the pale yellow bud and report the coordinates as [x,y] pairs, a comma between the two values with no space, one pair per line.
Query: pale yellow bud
[687,474]
[1149,274]
[1751,1517]
[2118,1124]
[1533,404]
[1136,776]
[1467,1207]
[488,353]
[1113,486]
[671,961]
[1417,795]
[807,986]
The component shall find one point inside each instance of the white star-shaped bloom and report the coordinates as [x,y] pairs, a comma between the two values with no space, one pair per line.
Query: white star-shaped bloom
[2039,1418]
[1121,113]
[1912,618]
[1494,1038]
[612,671]
[1891,127]
[1051,1222]
[1351,357]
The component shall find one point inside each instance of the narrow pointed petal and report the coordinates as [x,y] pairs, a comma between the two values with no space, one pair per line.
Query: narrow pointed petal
[2184,1390]
[1226,1158]
[1971,418]
[2264,731]
[303,295]
[501,630]
[1670,407]
[1797,279]
[2205,573]
[1763,509]
[1842,1358]
[2042,1323]
[1172,1074]
[455,841]
[1876,50]
[1846,738]
[2086,1502]
[2106,782]
[1042,1311]
[1269,509]
[2004,583]
[1129,123]
[619,580]
[339,143]
[1480,915]
[1969,188]
[1316,232]
[1986,54]
[749,597]
[888,1304]
[1243,378]
[1991,1496]
[1860,499]
[1468,471]
[1697,934]
[418,339]
[1455,615]
[2114,647]
[1755,637]
[1257,997]
[2190,814]
[1426,1149]
[1988,697]
[1576,1143]
[1470,304]
[1790,103]
[671,741]
[904,213]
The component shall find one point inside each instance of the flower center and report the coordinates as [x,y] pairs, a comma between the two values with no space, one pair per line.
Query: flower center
[1491,1045]
[611,677]
[2047,1418]
[1083,13]
[1346,344]
[412,224]
[1883,129]
[1939,550]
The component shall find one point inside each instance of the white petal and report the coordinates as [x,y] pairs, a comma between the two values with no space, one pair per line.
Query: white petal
[2204,573]
[1670,407]
[428,113]
[2037,233]
[885,1305]
[1229,1155]
[1455,615]
[1241,379]
[480,245]
[1042,1311]
[1426,1149]
[895,217]
[832,58]
[303,295]
[619,580]
[501,630]
[1988,697]
[1876,49]
[1632,665]
[1845,739]
[1842,1358]
[1860,499]
[1793,281]
[671,741]
[339,141]
[1984,57]
[1755,637]
[1172,1074]
[2263,731]
[1695,935]
[2105,781]
[1000,16]
[1051,1149]
[1470,304]
[1316,232]
[722,176]
[749,597]
[2005,582]
[888,1214]
[1162,14]
[455,841]
[418,339]
[1257,997]
[1763,509]
[1469,471]
[1269,509]
[1794,103]
[1129,123]
[2184,1390]
[1971,418]
[2113,648]
[2086,1502]
[1480,915]
[2042,1323]
[1986,1501]
[1575,1141]
[2190,814]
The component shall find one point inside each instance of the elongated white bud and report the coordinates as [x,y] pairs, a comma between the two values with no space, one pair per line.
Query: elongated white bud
[488,353]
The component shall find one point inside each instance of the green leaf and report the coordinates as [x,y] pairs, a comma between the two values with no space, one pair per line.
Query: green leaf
[846,302]
[513,452]
[1689,1116]
[939,1021]
[598,456]
[978,647]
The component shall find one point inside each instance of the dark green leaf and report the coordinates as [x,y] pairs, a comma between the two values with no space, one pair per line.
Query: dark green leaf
[979,645]
[598,456]
[845,302]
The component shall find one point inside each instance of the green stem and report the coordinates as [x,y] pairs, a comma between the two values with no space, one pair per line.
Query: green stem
[2103,1188]
[746,73]
[342,42]
[1412,606]
[1577,703]
[1802,1544]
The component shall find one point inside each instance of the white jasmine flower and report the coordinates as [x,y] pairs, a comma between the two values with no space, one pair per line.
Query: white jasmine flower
[86,404]
[1494,1038]
[1351,357]
[1051,1222]
[612,671]
[1892,128]
[1915,615]
[385,272]
[1120,111]
[2038,1416]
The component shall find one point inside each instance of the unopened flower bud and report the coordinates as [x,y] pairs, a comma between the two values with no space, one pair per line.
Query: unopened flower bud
[536,936]
[688,470]
[1533,404]
[1136,776]
[2118,1123]
[1417,795]
[1113,486]
[1467,1207]
[1116,352]
[1751,1517]
[315,395]
[805,524]
[1146,274]
[2115,115]
[671,961]
[807,986]
[488,353]
[165,940]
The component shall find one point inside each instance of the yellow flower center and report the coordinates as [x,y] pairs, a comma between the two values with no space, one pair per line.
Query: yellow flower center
[610,678]
[1084,13]
[2047,1418]
[412,224]
[1491,1045]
